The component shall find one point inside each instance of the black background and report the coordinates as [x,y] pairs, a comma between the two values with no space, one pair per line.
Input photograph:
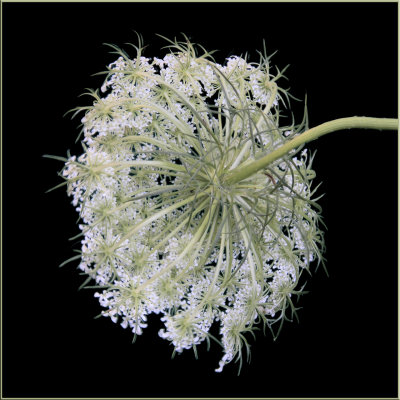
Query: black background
[344,56]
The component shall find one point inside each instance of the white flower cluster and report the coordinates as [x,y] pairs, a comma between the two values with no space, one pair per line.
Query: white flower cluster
[163,231]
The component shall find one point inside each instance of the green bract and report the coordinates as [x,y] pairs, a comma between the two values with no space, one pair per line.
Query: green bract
[165,231]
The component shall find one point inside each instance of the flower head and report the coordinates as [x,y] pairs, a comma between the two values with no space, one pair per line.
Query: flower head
[164,230]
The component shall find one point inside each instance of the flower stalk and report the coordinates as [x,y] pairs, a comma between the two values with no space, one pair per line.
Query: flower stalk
[240,173]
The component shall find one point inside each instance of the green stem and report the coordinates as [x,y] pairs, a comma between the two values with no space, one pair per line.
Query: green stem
[240,173]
